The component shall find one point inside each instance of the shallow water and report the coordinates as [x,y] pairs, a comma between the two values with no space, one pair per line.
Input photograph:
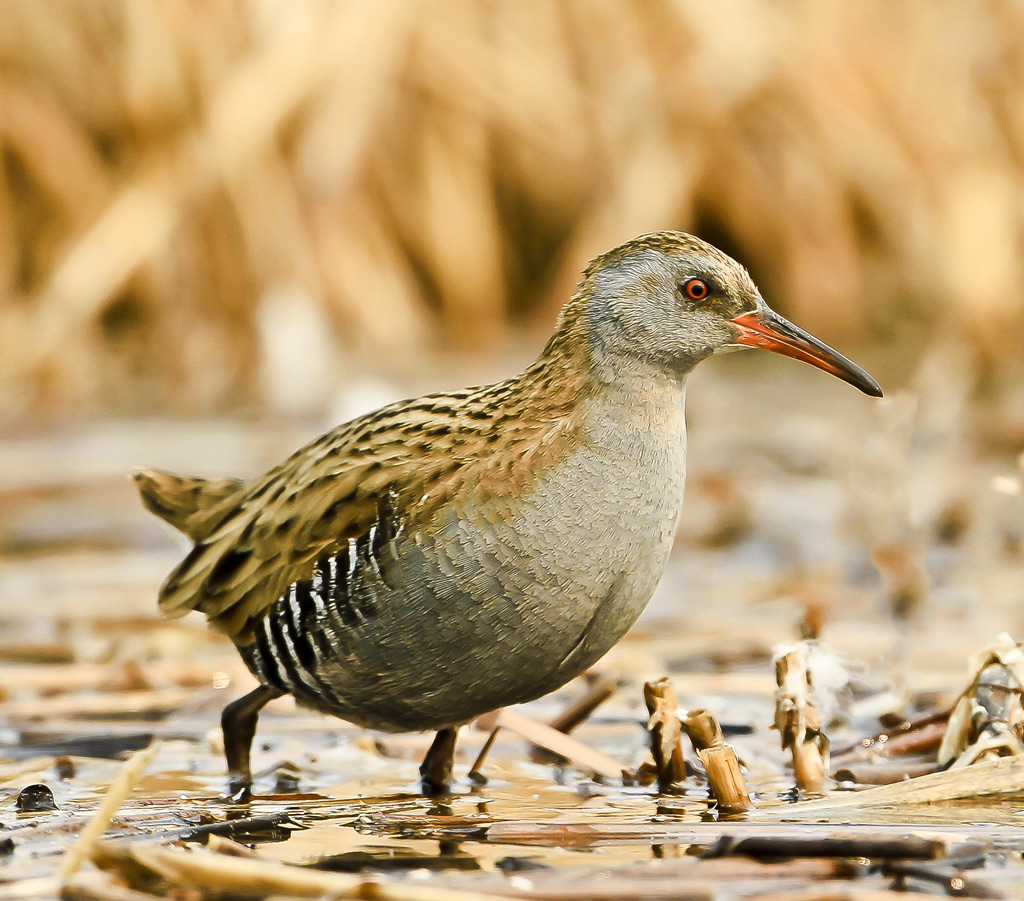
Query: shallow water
[779,521]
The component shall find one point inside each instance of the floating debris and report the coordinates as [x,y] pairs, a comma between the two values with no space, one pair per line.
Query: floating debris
[988,718]
[34,798]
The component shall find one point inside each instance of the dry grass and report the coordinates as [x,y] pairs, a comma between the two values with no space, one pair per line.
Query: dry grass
[188,190]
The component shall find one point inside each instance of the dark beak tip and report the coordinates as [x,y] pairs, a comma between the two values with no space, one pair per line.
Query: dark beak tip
[866,384]
[860,379]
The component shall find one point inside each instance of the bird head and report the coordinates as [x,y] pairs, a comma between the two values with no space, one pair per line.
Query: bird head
[670,300]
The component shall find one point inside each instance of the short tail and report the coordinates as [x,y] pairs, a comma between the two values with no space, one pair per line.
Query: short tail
[188,504]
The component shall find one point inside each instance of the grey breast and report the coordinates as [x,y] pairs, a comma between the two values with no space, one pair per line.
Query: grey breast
[498,602]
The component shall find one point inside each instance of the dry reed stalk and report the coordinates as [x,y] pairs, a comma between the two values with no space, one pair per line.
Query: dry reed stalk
[725,779]
[703,729]
[196,868]
[558,743]
[796,718]
[990,777]
[115,796]
[487,151]
[598,691]
[600,687]
[476,770]
[965,837]
[666,733]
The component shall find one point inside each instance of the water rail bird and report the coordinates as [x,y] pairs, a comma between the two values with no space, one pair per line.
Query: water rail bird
[451,554]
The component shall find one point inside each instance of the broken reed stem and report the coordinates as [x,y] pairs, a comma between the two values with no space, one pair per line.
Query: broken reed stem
[808,766]
[725,779]
[558,743]
[666,732]
[223,874]
[119,790]
[703,729]
[475,773]
[796,718]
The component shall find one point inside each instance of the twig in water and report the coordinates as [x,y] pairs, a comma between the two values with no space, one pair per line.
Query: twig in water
[773,847]
[559,743]
[600,689]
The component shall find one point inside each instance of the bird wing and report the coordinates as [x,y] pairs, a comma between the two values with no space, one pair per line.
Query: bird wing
[271,533]
[399,461]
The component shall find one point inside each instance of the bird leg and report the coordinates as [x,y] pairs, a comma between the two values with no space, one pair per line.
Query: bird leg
[238,722]
[436,769]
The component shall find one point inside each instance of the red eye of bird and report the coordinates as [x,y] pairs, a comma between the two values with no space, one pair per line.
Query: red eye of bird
[696,289]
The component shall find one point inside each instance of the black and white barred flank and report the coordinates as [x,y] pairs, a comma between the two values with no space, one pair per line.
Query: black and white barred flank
[307,626]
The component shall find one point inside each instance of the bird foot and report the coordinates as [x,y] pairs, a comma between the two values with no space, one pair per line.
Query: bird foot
[433,788]
[239,790]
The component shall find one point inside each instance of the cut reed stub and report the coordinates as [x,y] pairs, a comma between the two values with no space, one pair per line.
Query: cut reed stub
[725,780]
[666,733]
[796,718]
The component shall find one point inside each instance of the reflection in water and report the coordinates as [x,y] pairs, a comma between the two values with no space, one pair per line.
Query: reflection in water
[402,832]
[390,857]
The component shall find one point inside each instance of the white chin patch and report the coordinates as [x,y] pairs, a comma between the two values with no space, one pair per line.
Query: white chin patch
[730,348]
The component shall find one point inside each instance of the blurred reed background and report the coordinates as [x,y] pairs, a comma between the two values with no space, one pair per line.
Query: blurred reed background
[199,198]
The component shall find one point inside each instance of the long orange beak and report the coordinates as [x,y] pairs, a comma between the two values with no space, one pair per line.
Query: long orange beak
[766,328]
